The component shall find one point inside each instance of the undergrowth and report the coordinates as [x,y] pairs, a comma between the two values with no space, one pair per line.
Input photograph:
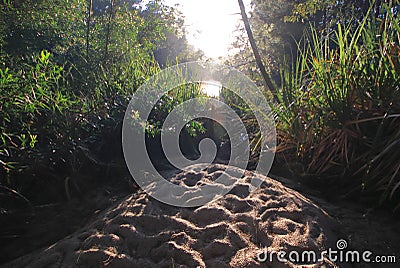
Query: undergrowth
[339,107]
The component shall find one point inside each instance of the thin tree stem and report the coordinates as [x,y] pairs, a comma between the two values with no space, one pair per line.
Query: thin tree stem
[89,10]
[267,80]
[112,2]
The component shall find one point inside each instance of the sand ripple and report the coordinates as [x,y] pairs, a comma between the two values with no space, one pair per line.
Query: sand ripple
[228,232]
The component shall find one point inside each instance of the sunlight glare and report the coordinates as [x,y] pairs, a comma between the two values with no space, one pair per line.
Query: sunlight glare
[211,88]
[210,24]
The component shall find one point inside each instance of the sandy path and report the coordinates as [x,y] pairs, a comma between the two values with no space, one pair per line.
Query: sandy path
[229,232]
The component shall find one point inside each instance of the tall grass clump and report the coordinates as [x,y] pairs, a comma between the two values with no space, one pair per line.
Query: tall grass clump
[339,106]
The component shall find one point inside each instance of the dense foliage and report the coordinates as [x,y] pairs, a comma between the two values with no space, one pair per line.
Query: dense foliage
[338,92]
[68,68]
[67,71]
[339,105]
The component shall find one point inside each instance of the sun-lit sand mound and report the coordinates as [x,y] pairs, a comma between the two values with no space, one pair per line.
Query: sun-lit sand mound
[229,232]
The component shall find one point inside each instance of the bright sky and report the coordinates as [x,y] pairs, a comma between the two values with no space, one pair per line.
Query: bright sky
[210,23]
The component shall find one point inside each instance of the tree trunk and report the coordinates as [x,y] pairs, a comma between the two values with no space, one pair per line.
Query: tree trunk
[267,80]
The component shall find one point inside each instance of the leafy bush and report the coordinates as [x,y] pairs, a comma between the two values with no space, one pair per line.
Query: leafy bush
[67,72]
[31,97]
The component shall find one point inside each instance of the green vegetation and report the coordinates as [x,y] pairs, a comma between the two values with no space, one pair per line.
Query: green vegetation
[67,72]
[68,69]
[339,105]
[338,93]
